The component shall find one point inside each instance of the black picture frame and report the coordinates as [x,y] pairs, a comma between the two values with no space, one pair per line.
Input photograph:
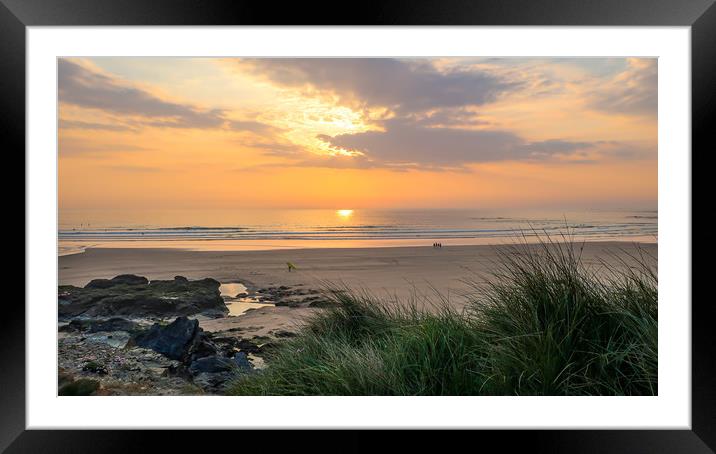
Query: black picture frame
[16,15]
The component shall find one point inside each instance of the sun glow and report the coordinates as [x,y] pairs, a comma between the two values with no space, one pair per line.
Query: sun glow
[344,214]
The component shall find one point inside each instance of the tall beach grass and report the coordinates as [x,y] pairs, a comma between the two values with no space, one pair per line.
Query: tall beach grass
[544,324]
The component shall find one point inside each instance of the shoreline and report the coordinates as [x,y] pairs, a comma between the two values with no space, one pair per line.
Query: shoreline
[220,245]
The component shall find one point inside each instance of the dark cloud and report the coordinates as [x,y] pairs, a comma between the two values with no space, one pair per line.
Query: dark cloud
[84,87]
[556,146]
[406,143]
[73,146]
[633,91]
[404,86]
[450,117]
[72,124]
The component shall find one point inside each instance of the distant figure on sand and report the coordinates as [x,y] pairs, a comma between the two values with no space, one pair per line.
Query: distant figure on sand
[291,266]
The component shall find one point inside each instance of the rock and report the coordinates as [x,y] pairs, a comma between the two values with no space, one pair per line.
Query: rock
[284,333]
[95,368]
[129,295]
[213,372]
[72,326]
[96,326]
[211,364]
[247,346]
[212,382]
[200,347]
[118,339]
[241,361]
[181,340]
[122,279]
[172,341]
[113,324]
[130,371]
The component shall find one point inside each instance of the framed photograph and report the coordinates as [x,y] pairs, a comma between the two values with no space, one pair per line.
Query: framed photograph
[454,216]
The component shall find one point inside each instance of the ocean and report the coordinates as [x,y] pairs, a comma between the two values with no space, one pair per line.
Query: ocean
[270,229]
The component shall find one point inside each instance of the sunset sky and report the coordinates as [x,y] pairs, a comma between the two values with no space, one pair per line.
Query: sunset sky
[357,133]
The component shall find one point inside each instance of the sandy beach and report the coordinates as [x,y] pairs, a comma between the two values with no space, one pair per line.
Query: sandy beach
[391,273]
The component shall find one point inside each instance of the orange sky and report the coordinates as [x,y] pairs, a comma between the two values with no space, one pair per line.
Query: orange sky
[357,133]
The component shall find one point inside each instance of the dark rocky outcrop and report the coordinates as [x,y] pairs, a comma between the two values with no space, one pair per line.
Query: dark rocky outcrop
[228,345]
[295,297]
[98,326]
[175,340]
[134,296]
[122,279]
[214,372]
[211,364]
[241,361]
[113,324]
[208,365]
[107,337]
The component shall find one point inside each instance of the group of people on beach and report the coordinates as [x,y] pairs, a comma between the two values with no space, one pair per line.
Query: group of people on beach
[437,245]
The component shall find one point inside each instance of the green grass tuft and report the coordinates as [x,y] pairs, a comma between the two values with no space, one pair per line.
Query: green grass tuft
[544,325]
[81,387]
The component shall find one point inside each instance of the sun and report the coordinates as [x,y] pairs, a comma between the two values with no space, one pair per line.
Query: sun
[344,214]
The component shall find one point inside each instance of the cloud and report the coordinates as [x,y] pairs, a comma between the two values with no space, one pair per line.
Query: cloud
[404,86]
[273,148]
[409,144]
[74,146]
[88,88]
[450,117]
[632,91]
[81,86]
[252,126]
[72,124]
[435,125]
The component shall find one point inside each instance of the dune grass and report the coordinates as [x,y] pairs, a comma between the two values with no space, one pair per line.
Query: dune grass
[545,324]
